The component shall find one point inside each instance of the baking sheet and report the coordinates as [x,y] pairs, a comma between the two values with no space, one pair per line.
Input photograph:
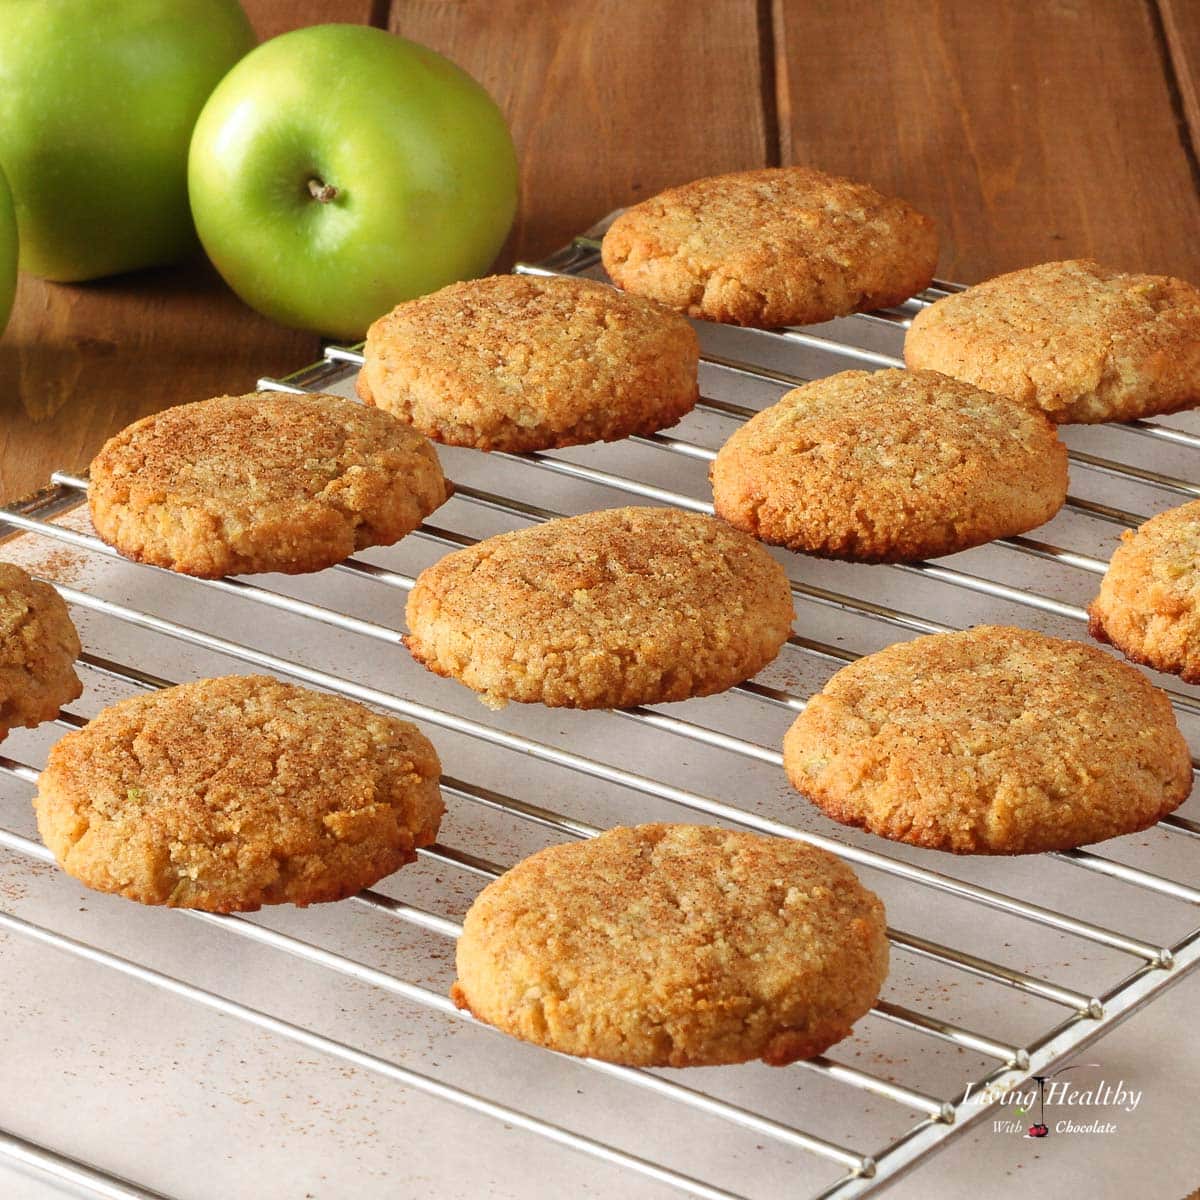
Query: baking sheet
[198,1105]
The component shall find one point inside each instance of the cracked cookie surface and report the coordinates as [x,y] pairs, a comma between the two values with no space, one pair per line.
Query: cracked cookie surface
[675,946]
[38,649]
[890,466]
[613,608]
[1084,343]
[994,740]
[519,362]
[227,794]
[777,246]
[263,482]
[1149,601]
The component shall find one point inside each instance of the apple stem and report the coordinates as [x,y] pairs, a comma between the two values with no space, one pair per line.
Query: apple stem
[321,191]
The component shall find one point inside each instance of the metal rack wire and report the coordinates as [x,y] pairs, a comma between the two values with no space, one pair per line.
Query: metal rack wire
[760,361]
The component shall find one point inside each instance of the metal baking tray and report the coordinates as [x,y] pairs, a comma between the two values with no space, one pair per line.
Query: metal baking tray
[287,1036]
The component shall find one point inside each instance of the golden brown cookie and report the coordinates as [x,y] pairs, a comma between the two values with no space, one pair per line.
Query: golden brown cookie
[1083,342]
[1149,601]
[675,946]
[994,740]
[264,482]
[227,794]
[517,362]
[890,466]
[614,608]
[38,649]
[779,246]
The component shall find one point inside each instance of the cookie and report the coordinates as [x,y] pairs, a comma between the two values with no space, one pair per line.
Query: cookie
[264,482]
[228,794]
[990,741]
[780,246]
[890,466]
[1083,342]
[38,649]
[614,608]
[675,946]
[517,362]
[1149,597]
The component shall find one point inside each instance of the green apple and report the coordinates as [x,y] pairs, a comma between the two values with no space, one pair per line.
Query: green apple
[8,252]
[338,170]
[97,103]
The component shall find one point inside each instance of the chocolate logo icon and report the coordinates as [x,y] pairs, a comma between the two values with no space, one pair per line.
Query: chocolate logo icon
[1040,1129]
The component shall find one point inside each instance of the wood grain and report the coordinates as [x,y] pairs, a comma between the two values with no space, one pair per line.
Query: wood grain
[273,17]
[1180,21]
[608,101]
[77,363]
[1030,130]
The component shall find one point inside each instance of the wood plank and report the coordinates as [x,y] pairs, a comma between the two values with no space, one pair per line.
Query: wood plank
[272,17]
[1031,131]
[1181,31]
[608,101]
[77,363]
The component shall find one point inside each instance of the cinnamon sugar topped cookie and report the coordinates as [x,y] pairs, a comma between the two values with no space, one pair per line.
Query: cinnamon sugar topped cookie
[778,246]
[1083,342]
[1149,601]
[994,740]
[890,466]
[227,794]
[38,649]
[264,482]
[613,608]
[675,946]
[520,362]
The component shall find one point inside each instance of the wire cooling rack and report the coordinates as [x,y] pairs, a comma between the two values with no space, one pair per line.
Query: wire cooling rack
[1000,968]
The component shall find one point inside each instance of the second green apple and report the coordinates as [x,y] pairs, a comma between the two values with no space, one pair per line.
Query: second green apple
[97,102]
[338,170]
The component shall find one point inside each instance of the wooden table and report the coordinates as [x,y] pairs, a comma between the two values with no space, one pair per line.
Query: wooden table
[1032,129]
